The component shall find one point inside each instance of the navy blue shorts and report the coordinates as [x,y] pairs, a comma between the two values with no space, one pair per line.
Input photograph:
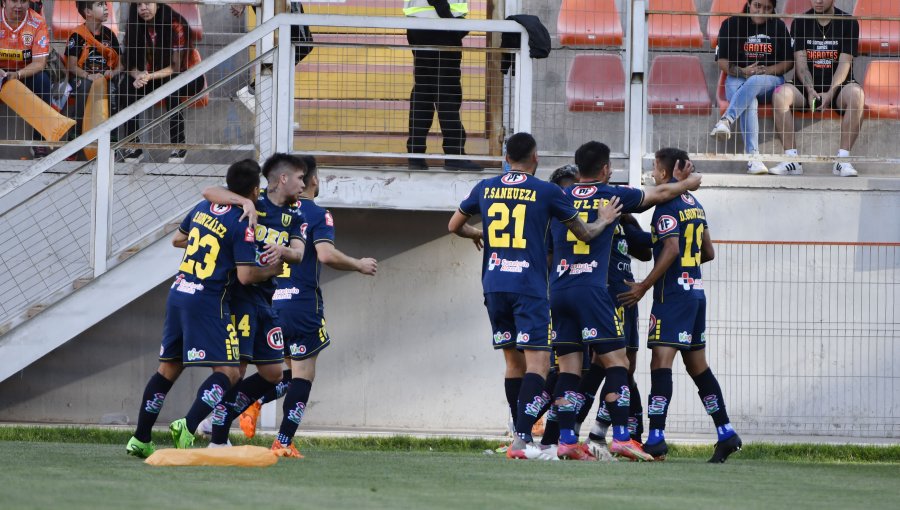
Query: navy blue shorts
[304,327]
[585,316]
[259,330]
[678,323]
[518,320]
[198,338]
[628,317]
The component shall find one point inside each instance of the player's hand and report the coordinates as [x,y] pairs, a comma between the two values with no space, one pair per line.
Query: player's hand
[250,213]
[141,80]
[633,295]
[683,168]
[368,266]
[609,211]
[274,254]
[692,181]
[478,239]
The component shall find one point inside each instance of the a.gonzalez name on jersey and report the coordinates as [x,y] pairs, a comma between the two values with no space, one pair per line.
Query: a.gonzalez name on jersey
[203,219]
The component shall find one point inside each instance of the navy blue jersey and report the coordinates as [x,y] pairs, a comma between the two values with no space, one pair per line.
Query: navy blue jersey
[575,262]
[276,225]
[516,209]
[217,244]
[625,236]
[684,217]
[301,281]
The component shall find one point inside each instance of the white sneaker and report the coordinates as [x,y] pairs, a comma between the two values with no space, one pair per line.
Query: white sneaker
[601,451]
[549,452]
[511,427]
[844,169]
[247,98]
[722,129]
[205,427]
[756,168]
[787,168]
[217,445]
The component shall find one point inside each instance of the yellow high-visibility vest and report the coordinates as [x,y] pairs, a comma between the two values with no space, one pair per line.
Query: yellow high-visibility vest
[421,8]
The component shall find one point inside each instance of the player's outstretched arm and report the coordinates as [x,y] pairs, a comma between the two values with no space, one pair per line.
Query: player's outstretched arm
[667,256]
[249,274]
[665,192]
[707,251]
[606,215]
[222,196]
[459,227]
[336,259]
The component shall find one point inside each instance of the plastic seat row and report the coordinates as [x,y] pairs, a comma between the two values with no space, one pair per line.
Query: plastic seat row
[598,23]
[677,85]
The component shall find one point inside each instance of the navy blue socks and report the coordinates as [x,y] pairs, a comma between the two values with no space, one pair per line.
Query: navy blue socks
[294,407]
[711,395]
[151,404]
[658,403]
[209,395]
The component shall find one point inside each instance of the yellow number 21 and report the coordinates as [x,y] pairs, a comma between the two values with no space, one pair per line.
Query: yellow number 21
[499,214]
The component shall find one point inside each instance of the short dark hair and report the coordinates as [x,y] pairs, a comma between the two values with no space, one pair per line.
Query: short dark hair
[591,157]
[81,6]
[669,157]
[242,177]
[564,172]
[519,146]
[280,162]
[311,168]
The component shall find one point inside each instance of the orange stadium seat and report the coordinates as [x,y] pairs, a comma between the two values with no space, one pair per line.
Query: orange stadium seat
[882,87]
[714,23]
[878,37]
[191,14]
[596,83]
[674,30]
[794,7]
[677,85]
[589,23]
[765,110]
[65,18]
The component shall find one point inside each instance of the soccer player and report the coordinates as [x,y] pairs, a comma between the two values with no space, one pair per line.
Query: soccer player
[583,312]
[681,242]
[198,329]
[824,49]
[279,230]
[299,302]
[516,209]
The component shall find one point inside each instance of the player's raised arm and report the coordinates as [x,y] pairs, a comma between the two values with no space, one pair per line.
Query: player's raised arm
[606,215]
[707,251]
[222,196]
[336,259]
[668,191]
[180,239]
[667,256]
[458,225]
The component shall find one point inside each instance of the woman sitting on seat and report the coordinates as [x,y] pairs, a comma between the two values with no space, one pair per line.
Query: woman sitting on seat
[755,53]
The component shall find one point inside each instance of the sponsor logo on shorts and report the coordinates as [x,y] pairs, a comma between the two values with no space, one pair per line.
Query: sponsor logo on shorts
[219,209]
[513,178]
[249,236]
[298,350]
[196,355]
[286,293]
[666,224]
[685,338]
[182,285]
[275,338]
[703,337]
[688,199]
[652,322]
[162,350]
[507,266]
[588,333]
[552,334]
[584,191]
[502,336]
[522,338]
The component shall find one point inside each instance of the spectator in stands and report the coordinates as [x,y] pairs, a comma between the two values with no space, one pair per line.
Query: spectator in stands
[437,86]
[754,52]
[824,48]
[158,46]
[92,53]
[24,48]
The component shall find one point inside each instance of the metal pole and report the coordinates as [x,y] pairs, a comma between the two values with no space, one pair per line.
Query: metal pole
[100,205]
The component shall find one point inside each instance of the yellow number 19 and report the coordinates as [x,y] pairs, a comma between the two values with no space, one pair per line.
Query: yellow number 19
[690,258]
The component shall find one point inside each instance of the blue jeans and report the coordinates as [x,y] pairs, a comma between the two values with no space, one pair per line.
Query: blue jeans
[744,96]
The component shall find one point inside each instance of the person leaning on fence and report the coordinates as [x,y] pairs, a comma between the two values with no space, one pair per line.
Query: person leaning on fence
[158,47]
[24,48]
[436,83]
[754,52]
[824,48]
[92,53]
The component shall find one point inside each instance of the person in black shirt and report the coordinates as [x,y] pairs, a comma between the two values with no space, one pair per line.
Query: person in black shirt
[754,52]
[824,48]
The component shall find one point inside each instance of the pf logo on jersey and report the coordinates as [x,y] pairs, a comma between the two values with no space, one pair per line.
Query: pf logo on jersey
[513,178]
[275,339]
[584,191]
[219,209]
[666,224]
[688,199]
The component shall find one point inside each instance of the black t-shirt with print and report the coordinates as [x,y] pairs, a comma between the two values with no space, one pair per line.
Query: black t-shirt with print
[95,62]
[743,42]
[824,45]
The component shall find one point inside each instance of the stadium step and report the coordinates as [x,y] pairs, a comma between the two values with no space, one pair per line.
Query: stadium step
[304,141]
[374,116]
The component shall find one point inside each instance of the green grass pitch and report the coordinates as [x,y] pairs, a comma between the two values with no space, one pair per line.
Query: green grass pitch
[87,468]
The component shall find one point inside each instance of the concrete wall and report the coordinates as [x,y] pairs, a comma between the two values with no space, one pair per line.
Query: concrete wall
[411,346]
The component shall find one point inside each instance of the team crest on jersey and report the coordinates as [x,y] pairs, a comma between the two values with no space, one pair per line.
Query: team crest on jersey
[219,209]
[666,224]
[513,178]
[584,191]
[27,39]
[285,219]
[688,199]
[275,338]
